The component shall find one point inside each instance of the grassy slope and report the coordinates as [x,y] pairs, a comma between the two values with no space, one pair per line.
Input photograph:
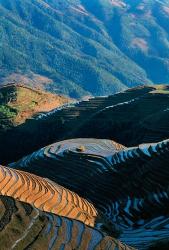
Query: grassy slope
[99,49]
[18,103]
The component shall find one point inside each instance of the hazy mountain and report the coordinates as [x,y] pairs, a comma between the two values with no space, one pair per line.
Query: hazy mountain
[85,47]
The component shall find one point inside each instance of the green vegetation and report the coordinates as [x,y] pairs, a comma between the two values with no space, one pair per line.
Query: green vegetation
[18,103]
[7,112]
[85,47]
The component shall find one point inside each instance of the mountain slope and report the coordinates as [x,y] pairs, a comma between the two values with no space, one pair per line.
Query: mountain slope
[131,117]
[18,103]
[103,47]
[25,227]
[129,185]
[46,195]
[141,119]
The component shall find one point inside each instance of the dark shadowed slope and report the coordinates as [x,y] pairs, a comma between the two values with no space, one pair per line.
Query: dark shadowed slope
[49,127]
[139,120]
[129,185]
[25,227]
[103,47]
[132,117]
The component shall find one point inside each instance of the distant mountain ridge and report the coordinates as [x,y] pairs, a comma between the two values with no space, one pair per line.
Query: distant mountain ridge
[85,47]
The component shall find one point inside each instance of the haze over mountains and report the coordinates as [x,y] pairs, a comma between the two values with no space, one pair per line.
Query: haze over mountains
[83,47]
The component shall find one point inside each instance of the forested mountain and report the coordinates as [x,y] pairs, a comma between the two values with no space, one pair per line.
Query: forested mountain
[84,47]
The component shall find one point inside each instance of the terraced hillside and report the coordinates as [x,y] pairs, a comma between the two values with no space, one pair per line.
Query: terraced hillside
[132,117]
[142,119]
[25,227]
[96,190]
[129,185]
[18,103]
[46,195]
[59,124]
